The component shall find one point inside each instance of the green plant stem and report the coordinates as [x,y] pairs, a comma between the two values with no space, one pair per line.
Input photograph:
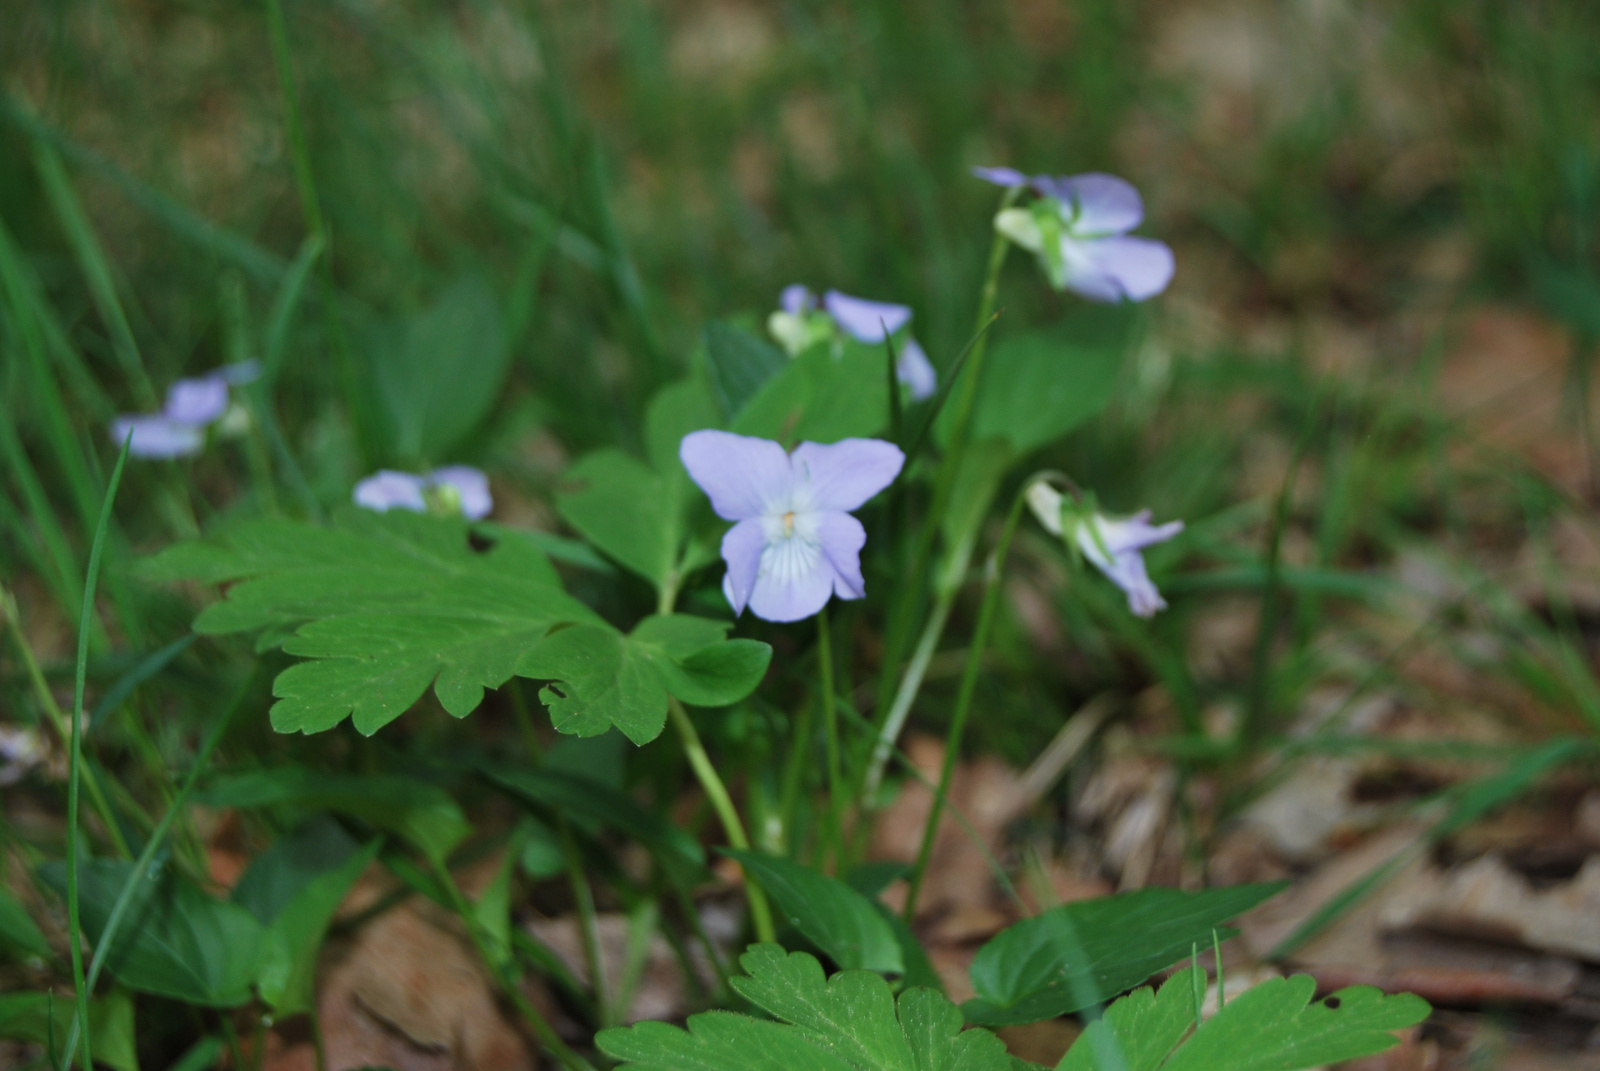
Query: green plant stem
[794,773]
[75,754]
[944,483]
[722,803]
[969,683]
[830,728]
[888,731]
[319,1049]
[232,1035]
[588,924]
[508,983]
[311,207]
[152,845]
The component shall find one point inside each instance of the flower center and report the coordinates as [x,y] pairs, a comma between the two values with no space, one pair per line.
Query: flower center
[788,524]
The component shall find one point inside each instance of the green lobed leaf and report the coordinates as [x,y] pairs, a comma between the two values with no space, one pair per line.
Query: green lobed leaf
[383,605]
[175,941]
[18,932]
[601,678]
[422,814]
[594,805]
[738,365]
[833,916]
[34,1017]
[1274,1026]
[624,508]
[850,1022]
[439,372]
[1085,953]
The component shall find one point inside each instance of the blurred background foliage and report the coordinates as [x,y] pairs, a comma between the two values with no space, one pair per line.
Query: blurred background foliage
[1384,216]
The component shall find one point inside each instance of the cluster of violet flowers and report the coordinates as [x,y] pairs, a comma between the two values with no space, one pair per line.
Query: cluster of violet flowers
[192,406]
[794,543]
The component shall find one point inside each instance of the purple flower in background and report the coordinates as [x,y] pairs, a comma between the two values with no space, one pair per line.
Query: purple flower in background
[794,542]
[1079,230]
[1113,545]
[20,751]
[192,405]
[802,322]
[453,489]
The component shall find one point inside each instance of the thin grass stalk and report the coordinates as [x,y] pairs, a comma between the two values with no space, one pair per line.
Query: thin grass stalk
[994,573]
[75,754]
[830,728]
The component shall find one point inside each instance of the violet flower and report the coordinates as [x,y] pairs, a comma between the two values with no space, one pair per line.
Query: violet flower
[801,322]
[794,542]
[179,430]
[1079,229]
[1113,545]
[454,489]
[20,751]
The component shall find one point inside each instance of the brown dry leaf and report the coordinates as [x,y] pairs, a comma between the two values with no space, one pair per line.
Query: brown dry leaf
[1486,898]
[1043,1043]
[408,993]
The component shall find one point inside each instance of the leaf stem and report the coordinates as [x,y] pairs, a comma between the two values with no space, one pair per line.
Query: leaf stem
[722,803]
[969,682]
[75,753]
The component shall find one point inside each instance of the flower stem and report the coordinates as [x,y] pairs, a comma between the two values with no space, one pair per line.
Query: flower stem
[830,723]
[889,730]
[75,754]
[969,683]
[722,803]
[944,482]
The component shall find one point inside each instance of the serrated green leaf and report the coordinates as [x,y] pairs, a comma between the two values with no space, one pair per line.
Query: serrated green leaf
[293,889]
[822,397]
[174,941]
[1274,1026]
[1085,953]
[18,932]
[423,815]
[602,678]
[439,372]
[30,1017]
[833,916]
[847,1023]
[738,365]
[383,605]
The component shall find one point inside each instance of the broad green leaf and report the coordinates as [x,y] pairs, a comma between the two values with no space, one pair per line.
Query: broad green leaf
[384,605]
[624,508]
[594,805]
[738,365]
[541,855]
[822,397]
[675,411]
[30,1017]
[602,678]
[424,815]
[850,1022]
[1085,953]
[1038,387]
[18,932]
[833,916]
[293,889]
[174,941]
[1274,1026]
[439,372]
[492,909]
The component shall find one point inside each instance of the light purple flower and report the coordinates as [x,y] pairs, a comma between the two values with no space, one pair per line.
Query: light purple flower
[1079,229]
[868,322]
[795,542]
[453,489]
[156,436]
[192,405]
[1112,545]
[20,751]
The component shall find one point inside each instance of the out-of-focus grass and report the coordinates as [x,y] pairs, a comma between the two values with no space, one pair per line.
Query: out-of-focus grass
[1337,181]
